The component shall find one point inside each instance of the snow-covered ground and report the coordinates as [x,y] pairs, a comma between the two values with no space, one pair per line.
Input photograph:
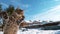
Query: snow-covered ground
[1,32]
[36,31]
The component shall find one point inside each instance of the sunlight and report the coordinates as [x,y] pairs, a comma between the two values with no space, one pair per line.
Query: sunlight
[51,14]
[56,0]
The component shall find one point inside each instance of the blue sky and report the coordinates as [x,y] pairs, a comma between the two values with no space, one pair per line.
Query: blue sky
[36,9]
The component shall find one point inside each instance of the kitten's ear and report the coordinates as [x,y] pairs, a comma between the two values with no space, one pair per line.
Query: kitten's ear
[18,11]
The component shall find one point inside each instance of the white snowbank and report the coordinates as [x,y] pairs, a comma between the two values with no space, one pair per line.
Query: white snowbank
[35,31]
[1,32]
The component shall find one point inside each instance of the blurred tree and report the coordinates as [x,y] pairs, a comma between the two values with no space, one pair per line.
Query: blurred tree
[0,7]
[10,9]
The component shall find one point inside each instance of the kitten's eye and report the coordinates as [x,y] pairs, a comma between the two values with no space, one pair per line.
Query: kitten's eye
[5,17]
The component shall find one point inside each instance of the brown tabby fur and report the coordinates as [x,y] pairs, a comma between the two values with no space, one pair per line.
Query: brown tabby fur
[12,22]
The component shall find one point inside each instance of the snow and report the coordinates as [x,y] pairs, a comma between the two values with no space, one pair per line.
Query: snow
[1,32]
[36,31]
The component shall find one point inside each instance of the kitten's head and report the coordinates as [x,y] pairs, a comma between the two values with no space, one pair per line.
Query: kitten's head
[18,15]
